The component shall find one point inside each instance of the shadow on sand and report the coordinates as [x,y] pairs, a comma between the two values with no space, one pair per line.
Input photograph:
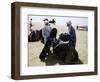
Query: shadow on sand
[52,60]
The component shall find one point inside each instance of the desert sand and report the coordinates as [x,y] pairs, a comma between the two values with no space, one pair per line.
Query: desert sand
[34,48]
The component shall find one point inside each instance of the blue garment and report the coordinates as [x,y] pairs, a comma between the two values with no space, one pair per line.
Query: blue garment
[72,34]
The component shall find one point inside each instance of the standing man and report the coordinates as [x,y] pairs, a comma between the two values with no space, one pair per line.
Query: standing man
[48,34]
[45,33]
[72,33]
[30,25]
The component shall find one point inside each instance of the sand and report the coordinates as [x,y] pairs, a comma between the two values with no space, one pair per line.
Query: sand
[34,48]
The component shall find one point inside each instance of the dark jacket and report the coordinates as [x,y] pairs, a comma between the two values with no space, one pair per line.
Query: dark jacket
[72,34]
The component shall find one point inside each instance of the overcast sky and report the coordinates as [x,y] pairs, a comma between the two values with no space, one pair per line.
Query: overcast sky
[81,21]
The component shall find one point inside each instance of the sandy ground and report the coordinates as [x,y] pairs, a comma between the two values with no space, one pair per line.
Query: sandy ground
[34,48]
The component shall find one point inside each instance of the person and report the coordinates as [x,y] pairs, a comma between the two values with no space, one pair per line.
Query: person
[30,25]
[77,27]
[45,33]
[48,34]
[72,33]
[54,30]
